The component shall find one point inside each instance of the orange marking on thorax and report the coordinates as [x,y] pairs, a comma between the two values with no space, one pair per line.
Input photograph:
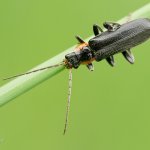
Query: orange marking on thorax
[88,62]
[80,46]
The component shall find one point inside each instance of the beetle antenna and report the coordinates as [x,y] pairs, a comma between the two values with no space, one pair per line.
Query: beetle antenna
[44,68]
[68,102]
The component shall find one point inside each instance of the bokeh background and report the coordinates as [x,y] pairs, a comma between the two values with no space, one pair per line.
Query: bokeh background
[110,107]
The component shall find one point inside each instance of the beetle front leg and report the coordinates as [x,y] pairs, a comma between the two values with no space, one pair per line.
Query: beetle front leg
[90,67]
[111,26]
[97,29]
[79,39]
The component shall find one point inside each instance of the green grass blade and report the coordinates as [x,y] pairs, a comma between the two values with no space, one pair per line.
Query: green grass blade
[22,84]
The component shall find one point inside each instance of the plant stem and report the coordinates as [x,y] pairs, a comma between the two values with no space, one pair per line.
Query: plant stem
[22,84]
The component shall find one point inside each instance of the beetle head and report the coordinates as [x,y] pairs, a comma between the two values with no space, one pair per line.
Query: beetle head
[74,59]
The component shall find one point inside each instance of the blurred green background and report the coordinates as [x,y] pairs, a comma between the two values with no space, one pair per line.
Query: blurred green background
[110,107]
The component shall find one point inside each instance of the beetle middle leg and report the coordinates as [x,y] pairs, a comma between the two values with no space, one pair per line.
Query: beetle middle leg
[111,26]
[97,29]
[111,61]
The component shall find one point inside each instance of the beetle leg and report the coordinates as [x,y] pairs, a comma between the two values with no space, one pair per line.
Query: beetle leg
[80,40]
[97,29]
[110,60]
[111,26]
[90,67]
[128,56]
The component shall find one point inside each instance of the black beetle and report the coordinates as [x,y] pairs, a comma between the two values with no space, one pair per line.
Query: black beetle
[117,38]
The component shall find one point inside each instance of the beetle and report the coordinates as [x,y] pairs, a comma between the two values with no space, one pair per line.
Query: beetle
[116,39]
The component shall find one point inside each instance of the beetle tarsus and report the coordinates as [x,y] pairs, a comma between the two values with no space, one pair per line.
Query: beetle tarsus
[110,61]
[128,56]
[111,26]
[97,29]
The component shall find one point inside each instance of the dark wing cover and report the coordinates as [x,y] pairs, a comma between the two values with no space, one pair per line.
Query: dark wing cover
[127,32]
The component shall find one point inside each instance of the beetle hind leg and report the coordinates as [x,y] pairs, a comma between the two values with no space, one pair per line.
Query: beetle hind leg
[128,56]
[97,29]
[111,26]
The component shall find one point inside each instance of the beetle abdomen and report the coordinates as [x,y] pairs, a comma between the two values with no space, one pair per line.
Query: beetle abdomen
[127,36]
